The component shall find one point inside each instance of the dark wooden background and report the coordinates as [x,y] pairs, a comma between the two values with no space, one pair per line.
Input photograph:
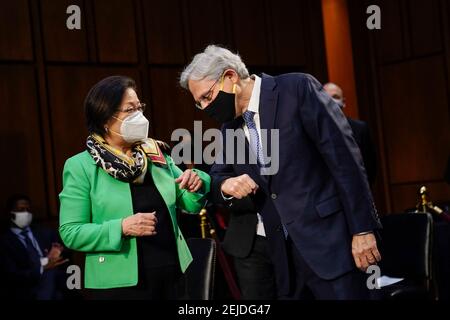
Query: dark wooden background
[402,75]
[403,84]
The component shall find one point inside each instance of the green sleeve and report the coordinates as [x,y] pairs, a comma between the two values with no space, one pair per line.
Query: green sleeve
[75,227]
[191,202]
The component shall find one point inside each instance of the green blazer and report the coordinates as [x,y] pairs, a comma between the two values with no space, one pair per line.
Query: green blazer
[93,205]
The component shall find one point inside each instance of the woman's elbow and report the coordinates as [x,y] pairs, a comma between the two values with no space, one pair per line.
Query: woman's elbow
[68,235]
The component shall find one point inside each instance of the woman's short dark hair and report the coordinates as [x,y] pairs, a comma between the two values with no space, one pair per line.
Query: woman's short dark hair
[103,101]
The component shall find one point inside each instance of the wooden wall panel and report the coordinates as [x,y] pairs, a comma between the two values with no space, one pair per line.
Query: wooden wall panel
[172,107]
[288,28]
[164,31]
[390,42]
[20,138]
[15,31]
[250,31]
[207,21]
[69,87]
[425,21]
[405,89]
[416,119]
[60,43]
[115,30]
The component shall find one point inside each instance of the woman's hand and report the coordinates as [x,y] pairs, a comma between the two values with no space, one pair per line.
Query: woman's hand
[190,181]
[140,224]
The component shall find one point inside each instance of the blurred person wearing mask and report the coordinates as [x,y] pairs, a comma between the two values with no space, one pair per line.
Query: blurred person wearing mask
[30,255]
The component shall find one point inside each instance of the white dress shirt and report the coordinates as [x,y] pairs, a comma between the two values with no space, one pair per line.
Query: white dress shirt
[253,105]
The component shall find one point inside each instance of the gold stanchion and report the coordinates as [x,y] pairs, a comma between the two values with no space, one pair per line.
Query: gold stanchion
[204,224]
[424,204]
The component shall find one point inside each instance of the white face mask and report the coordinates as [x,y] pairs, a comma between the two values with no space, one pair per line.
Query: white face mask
[22,219]
[134,127]
[339,102]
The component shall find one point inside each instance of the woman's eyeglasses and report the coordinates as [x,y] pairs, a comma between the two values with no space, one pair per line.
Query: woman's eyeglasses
[132,109]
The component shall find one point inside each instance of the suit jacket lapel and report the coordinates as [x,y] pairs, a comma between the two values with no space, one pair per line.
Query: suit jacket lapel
[267,112]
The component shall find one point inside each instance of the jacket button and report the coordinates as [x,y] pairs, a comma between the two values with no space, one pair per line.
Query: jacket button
[101,259]
[273,196]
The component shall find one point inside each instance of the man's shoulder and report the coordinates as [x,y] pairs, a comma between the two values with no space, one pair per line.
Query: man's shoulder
[291,80]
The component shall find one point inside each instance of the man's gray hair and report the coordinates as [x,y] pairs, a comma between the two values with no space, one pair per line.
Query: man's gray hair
[211,63]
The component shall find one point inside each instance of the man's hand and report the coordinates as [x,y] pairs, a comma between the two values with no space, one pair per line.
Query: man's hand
[54,257]
[365,251]
[190,181]
[239,187]
[55,251]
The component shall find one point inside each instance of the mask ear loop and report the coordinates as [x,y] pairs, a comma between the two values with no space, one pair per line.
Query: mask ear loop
[222,82]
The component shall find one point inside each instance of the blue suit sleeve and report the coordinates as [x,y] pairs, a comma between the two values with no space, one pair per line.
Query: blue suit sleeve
[327,126]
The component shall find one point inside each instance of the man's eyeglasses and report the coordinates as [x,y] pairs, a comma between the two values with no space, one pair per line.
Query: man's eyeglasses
[207,97]
[132,109]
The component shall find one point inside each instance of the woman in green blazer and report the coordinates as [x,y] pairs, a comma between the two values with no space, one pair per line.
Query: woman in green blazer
[119,200]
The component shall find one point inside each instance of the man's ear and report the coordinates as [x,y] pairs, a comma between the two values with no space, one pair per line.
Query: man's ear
[232,74]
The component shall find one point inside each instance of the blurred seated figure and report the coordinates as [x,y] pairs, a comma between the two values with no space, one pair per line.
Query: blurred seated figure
[29,256]
[361,134]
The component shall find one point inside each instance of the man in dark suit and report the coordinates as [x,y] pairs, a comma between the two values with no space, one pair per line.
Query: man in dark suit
[245,240]
[313,194]
[29,256]
[361,133]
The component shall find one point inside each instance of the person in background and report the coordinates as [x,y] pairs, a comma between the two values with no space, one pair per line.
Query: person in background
[30,255]
[361,133]
[119,200]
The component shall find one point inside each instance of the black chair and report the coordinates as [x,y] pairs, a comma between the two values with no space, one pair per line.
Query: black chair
[407,252]
[199,277]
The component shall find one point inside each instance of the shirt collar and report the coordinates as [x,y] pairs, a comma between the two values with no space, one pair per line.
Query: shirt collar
[253,104]
[19,231]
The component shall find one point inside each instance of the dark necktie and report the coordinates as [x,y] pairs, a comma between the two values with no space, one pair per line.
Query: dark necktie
[254,136]
[31,250]
[256,146]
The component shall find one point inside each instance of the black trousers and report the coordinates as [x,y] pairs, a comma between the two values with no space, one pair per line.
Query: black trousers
[306,285]
[255,272]
[155,283]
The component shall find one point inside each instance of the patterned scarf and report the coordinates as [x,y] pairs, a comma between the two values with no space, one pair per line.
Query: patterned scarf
[121,166]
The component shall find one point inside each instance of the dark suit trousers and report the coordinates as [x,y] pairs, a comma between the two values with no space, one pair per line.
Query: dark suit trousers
[255,272]
[306,285]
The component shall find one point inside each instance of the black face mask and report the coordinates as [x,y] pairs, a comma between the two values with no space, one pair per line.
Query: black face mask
[222,108]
